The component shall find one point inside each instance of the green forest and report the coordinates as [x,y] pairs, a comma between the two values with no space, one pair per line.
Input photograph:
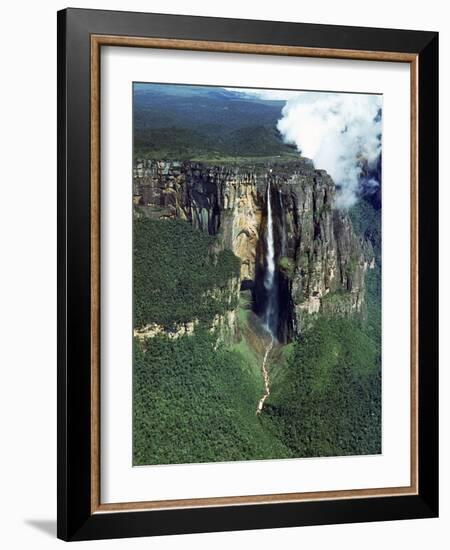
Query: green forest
[174,268]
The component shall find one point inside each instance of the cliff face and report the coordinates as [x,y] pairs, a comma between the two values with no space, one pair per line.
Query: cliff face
[324,260]
[320,262]
[217,200]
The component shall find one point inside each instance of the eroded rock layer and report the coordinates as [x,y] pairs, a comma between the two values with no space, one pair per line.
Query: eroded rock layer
[321,263]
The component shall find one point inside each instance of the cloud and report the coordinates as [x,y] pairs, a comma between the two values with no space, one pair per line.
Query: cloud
[340,132]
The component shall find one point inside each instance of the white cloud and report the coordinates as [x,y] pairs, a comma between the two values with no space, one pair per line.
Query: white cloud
[338,131]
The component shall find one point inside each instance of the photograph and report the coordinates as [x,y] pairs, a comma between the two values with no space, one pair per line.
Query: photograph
[257,262]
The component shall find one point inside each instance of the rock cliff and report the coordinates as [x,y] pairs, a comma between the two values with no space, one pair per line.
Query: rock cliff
[321,263]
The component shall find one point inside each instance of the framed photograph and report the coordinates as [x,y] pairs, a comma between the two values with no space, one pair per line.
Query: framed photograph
[248,295]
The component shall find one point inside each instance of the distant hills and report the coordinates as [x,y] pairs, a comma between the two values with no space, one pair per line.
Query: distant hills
[174,121]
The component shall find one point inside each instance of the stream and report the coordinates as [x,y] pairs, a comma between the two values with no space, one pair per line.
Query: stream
[265,372]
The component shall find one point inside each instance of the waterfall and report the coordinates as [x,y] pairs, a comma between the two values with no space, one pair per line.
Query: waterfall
[270,315]
[270,270]
[271,304]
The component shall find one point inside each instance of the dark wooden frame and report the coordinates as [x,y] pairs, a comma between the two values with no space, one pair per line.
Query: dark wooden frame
[81,33]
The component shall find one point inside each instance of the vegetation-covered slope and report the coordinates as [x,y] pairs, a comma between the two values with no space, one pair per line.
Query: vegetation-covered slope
[196,403]
[177,275]
[327,399]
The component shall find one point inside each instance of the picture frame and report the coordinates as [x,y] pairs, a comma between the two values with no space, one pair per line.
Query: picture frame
[81,36]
